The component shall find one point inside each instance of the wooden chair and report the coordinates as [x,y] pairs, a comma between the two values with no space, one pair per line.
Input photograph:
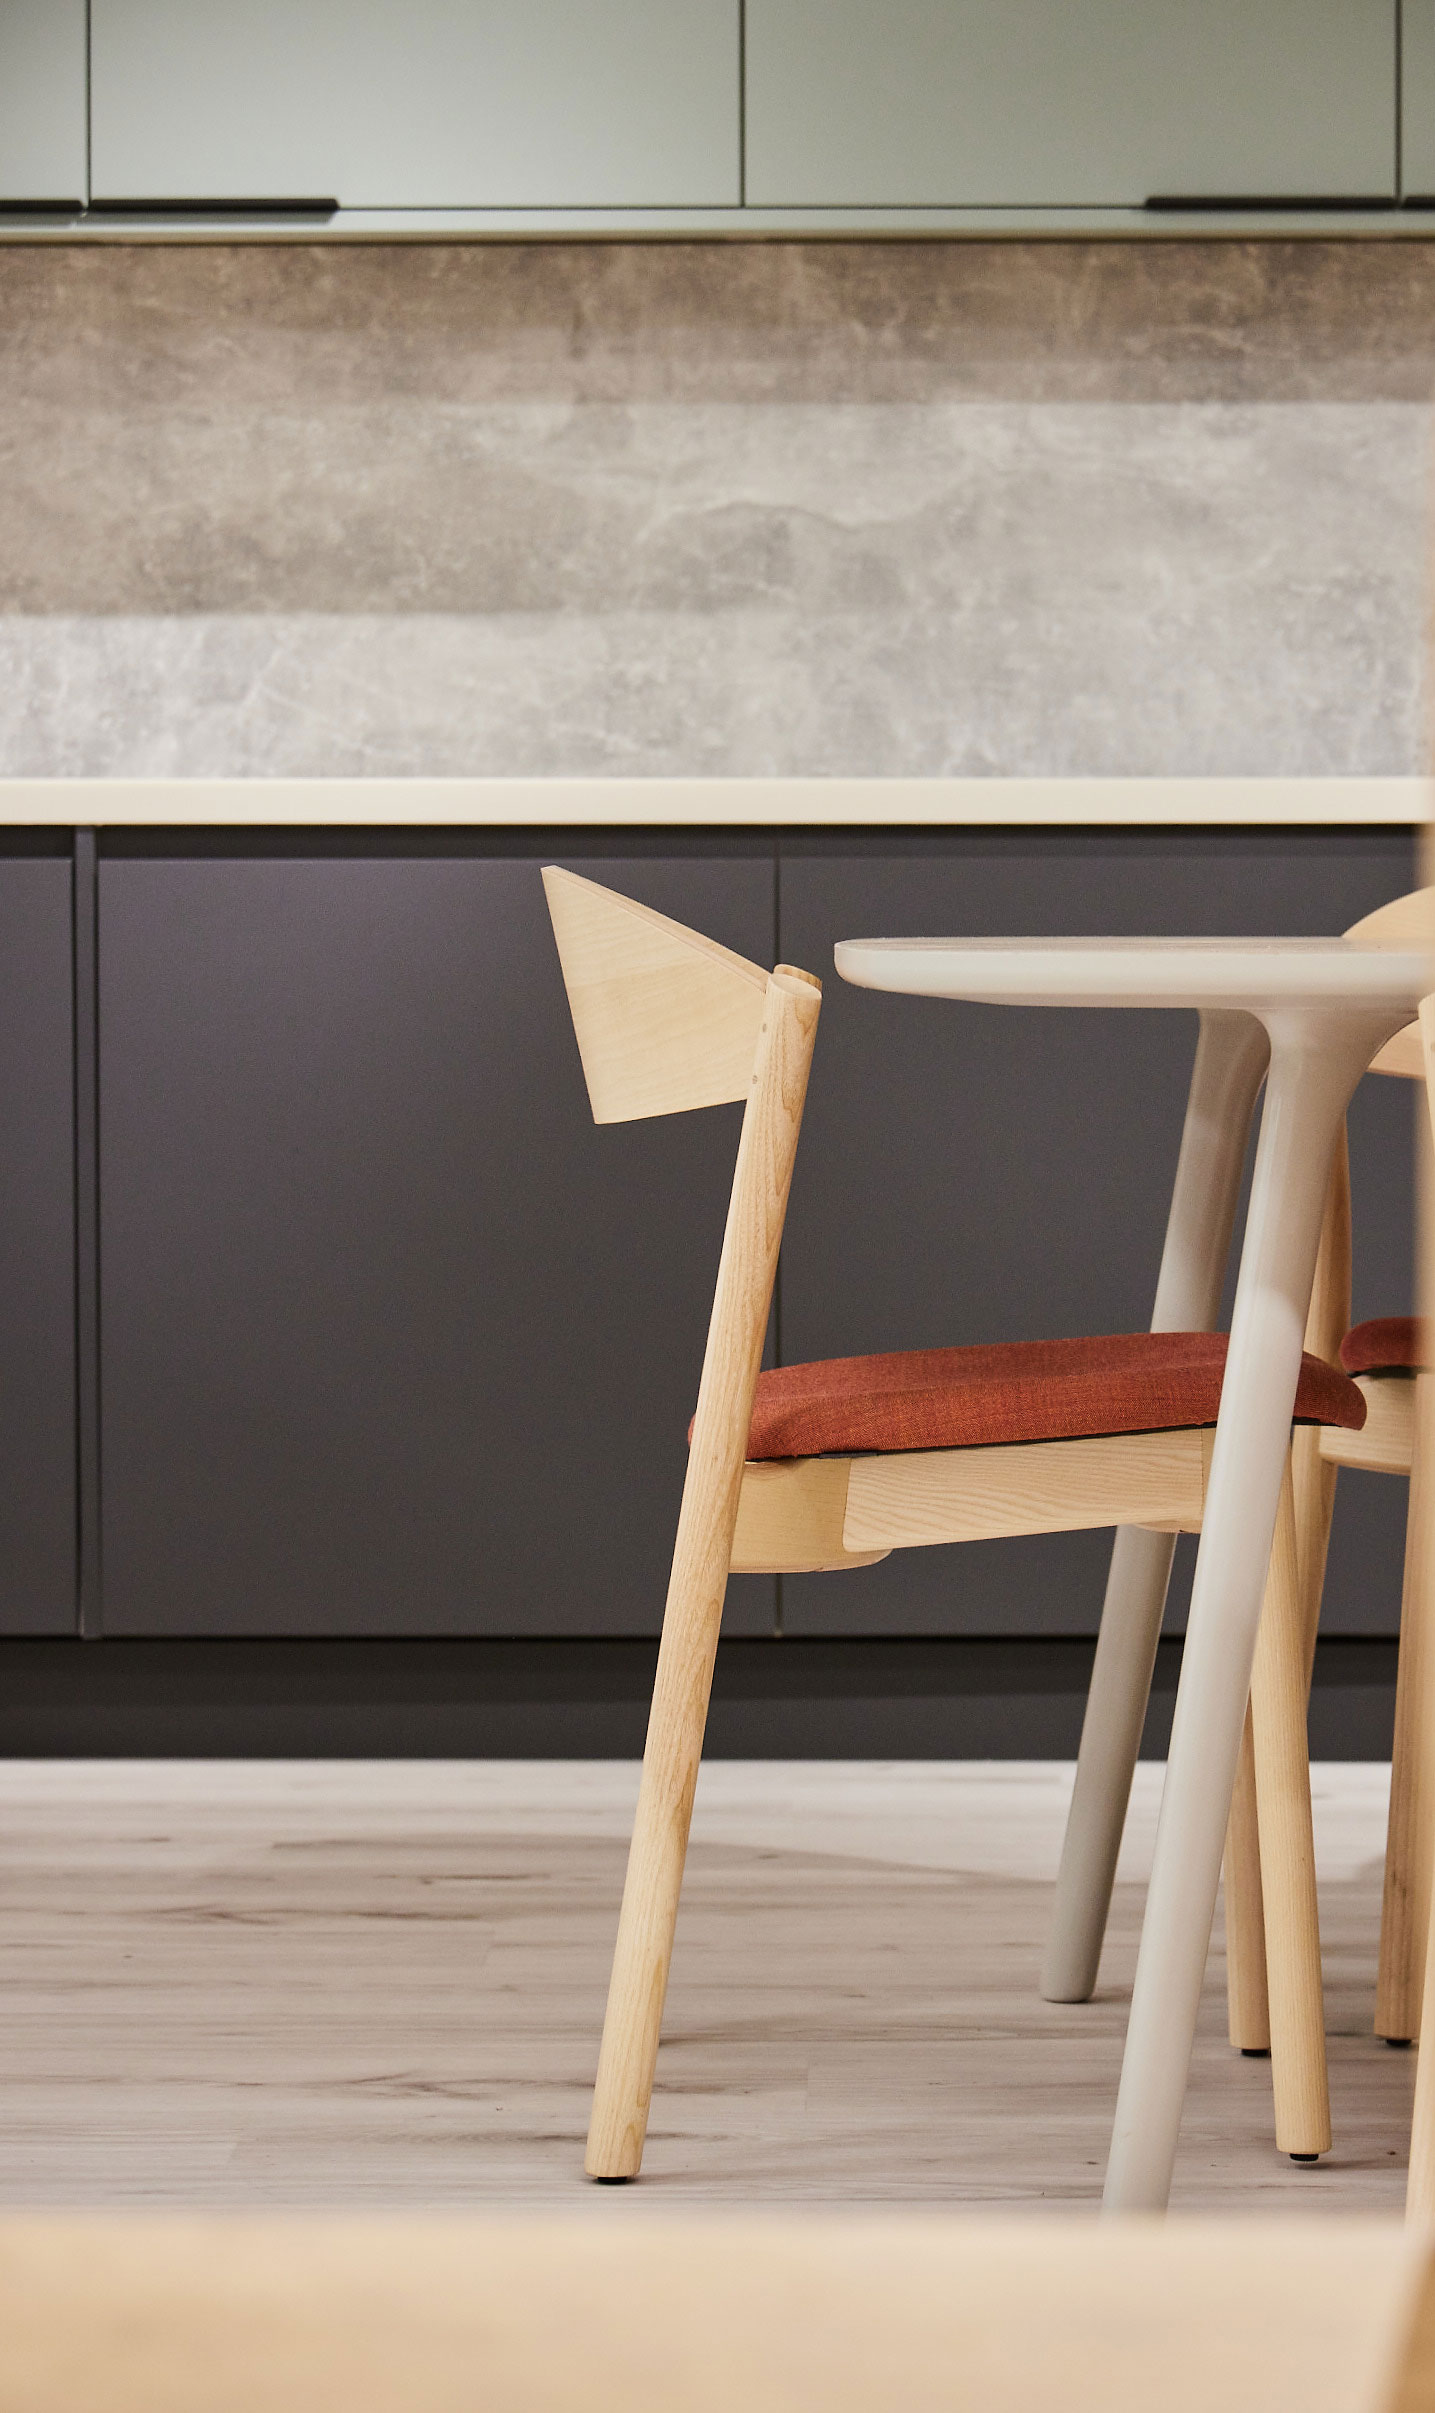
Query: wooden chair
[1272,1924]
[1383,1357]
[1264,1901]
[1388,1361]
[835,1465]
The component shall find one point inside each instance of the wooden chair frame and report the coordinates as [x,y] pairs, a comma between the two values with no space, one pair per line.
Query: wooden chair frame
[1272,1924]
[1399,1438]
[667,1021]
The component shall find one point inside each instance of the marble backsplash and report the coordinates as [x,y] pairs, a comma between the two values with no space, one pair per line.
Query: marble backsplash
[891,508]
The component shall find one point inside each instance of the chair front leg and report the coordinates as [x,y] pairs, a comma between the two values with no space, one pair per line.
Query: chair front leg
[1409,1859]
[1248,2009]
[1279,1691]
[1420,2189]
[656,1858]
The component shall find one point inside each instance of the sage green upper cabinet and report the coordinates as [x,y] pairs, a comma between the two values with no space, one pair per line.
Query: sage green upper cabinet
[42,101]
[418,104]
[1082,103]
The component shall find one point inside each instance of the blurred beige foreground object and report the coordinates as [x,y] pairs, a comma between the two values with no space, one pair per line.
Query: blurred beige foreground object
[623,2314]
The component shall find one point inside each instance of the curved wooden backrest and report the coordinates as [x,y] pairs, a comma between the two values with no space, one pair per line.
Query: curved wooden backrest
[1407,921]
[1402,1056]
[666,1020]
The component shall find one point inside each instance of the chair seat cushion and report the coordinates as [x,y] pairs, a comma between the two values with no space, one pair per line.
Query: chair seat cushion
[1126,1382]
[1388,1344]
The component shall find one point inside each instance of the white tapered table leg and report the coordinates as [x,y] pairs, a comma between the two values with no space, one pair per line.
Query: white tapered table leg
[1230,1064]
[1316,1059]
[1121,1673]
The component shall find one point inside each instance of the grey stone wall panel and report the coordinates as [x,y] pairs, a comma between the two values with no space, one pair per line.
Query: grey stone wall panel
[924,508]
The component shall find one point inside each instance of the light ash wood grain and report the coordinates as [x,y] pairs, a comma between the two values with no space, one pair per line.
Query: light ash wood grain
[1385,1442]
[1279,1691]
[1407,921]
[1408,1856]
[790,1515]
[1248,2008]
[1313,1501]
[806,1513]
[912,1498]
[1410,1434]
[1400,1056]
[666,1020]
[1327,1323]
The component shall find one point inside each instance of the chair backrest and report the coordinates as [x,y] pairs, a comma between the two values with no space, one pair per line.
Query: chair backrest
[667,1021]
[1407,921]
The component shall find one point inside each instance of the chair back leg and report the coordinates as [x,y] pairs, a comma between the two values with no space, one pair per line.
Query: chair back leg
[1409,1861]
[698,1582]
[1279,1687]
[1248,2008]
[1313,1491]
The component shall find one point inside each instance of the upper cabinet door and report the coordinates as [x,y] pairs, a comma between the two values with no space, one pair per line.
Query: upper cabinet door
[42,101]
[973,103]
[418,104]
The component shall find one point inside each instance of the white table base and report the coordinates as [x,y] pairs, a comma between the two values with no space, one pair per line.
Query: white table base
[1231,1058]
[1316,1059]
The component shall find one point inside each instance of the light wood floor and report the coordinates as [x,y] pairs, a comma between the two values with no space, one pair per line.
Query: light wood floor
[382,1983]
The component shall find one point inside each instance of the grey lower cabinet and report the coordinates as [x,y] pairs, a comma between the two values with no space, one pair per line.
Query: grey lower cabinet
[1049,103]
[38,1505]
[43,125]
[393,1340]
[983,1173]
[418,104]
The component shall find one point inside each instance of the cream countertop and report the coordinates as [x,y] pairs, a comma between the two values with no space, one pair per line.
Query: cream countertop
[716,803]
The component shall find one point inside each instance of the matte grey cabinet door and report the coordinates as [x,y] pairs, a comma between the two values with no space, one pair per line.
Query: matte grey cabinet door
[1076,102]
[974,1173]
[394,1341]
[418,104]
[38,1571]
[42,101]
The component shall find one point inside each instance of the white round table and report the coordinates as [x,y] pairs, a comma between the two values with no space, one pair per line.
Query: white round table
[1309,1014]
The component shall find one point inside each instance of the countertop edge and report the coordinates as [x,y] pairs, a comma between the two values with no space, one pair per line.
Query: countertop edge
[761,803]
